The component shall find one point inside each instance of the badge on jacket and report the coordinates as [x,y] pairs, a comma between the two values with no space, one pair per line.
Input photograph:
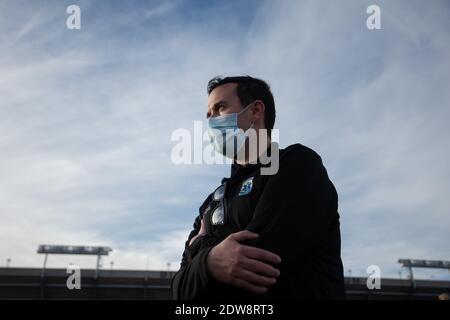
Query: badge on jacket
[246,187]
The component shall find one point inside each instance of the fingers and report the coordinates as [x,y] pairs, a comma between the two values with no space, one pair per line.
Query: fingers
[252,252]
[243,235]
[261,268]
[261,254]
[193,239]
[257,279]
[249,286]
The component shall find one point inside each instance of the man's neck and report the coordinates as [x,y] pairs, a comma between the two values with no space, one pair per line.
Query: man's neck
[253,158]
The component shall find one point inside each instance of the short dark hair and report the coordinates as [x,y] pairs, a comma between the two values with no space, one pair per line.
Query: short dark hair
[248,90]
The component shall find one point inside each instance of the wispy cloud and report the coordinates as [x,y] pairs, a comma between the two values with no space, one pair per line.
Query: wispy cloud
[87,117]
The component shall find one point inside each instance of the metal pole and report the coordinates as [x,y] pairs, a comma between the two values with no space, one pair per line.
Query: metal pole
[413,283]
[43,277]
[96,275]
[45,262]
[98,266]
[411,274]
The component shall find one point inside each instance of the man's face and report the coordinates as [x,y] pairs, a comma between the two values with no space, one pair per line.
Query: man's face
[224,100]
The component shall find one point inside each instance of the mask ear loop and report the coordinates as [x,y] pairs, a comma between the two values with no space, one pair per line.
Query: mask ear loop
[246,133]
[246,107]
[253,122]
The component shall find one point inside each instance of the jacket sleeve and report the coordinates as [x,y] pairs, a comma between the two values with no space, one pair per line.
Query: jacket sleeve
[192,279]
[295,208]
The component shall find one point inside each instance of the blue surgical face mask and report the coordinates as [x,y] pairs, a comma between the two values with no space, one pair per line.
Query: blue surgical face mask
[225,135]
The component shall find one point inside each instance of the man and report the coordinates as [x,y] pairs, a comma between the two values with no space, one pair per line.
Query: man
[261,236]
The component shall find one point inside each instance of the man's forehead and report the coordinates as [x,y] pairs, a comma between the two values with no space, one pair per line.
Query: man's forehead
[225,93]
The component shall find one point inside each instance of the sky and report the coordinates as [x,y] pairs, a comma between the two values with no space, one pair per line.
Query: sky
[86,118]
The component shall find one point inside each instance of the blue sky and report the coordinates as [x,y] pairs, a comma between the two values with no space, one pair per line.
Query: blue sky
[87,117]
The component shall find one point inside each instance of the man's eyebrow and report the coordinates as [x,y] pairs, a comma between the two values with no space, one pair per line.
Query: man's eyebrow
[217,104]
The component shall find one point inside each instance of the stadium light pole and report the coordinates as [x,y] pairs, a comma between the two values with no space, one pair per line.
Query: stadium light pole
[45,263]
[61,249]
[416,263]
[78,250]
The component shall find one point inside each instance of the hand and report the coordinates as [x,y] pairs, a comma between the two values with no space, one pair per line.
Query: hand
[243,266]
[200,233]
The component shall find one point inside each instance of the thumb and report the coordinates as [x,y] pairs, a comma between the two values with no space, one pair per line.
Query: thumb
[243,235]
[202,228]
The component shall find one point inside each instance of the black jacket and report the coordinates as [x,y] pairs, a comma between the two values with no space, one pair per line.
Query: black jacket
[295,214]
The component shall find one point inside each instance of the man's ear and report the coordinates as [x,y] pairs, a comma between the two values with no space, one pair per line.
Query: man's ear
[258,110]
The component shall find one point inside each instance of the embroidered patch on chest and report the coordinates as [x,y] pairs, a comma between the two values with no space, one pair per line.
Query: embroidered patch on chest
[246,187]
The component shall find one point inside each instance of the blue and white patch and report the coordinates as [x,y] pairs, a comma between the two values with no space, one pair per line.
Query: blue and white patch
[246,187]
